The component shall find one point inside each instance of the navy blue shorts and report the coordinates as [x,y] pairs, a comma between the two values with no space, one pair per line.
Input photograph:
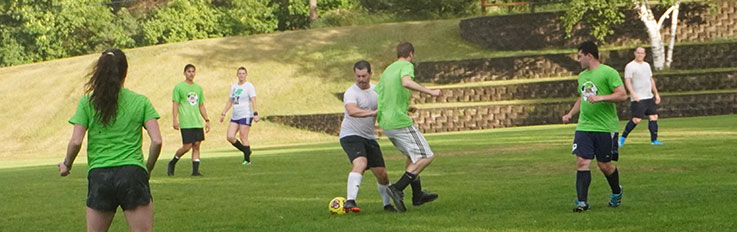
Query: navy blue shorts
[643,108]
[124,186]
[602,145]
[243,121]
[355,146]
[191,135]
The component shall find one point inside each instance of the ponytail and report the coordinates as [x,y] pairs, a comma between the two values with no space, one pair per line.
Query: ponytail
[105,82]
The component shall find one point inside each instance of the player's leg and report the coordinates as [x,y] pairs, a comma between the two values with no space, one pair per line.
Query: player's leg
[652,114]
[583,148]
[99,220]
[243,131]
[177,155]
[411,142]
[356,152]
[141,218]
[607,151]
[638,113]
[196,158]
[135,198]
[376,163]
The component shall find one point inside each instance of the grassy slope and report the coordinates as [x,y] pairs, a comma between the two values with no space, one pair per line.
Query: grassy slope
[294,73]
[513,179]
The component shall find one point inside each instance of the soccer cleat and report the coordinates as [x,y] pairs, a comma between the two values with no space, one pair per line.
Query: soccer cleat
[245,163]
[621,141]
[390,208]
[425,198]
[397,197]
[170,170]
[656,142]
[197,174]
[616,198]
[581,206]
[350,206]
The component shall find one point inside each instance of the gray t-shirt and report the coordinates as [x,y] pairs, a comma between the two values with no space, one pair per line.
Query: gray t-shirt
[364,99]
[241,96]
[640,74]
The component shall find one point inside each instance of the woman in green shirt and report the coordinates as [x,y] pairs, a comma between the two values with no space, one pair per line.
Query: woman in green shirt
[116,173]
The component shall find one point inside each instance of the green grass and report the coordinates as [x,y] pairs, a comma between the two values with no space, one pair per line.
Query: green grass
[515,179]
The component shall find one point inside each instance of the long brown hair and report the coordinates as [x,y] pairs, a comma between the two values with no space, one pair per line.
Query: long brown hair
[106,78]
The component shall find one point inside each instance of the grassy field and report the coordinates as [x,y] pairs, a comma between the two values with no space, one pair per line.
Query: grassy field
[515,179]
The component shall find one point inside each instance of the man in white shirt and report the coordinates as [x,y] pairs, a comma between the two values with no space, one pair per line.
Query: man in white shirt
[358,140]
[638,78]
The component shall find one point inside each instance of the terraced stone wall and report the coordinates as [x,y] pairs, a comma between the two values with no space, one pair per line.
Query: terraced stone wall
[697,23]
[697,56]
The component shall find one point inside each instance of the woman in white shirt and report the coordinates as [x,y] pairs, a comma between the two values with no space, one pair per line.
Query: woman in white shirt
[243,100]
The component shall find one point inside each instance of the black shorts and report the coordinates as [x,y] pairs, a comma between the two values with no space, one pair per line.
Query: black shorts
[603,145]
[124,186]
[643,108]
[191,135]
[355,146]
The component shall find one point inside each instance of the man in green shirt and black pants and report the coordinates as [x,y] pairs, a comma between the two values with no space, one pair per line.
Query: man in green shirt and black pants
[393,92]
[188,111]
[596,133]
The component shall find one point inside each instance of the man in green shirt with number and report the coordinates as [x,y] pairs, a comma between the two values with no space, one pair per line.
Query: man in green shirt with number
[188,111]
[596,133]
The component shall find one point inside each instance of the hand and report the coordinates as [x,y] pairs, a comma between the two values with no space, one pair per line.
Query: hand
[412,109]
[256,118]
[436,92]
[635,98]
[176,125]
[657,99]
[222,117]
[63,169]
[594,99]
[566,118]
[207,126]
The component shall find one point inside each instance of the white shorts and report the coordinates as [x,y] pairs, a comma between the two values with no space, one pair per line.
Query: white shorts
[410,142]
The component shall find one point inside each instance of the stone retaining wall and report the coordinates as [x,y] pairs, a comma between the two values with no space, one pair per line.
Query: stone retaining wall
[698,56]
[697,22]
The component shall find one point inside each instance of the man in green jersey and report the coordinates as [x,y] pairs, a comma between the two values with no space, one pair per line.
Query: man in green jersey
[188,111]
[393,91]
[596,133]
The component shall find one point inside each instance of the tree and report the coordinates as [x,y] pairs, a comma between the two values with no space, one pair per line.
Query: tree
[601,14]
[313,10]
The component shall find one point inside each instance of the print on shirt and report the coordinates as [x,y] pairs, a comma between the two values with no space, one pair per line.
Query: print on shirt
[236,96]
[192,98]
[589,89]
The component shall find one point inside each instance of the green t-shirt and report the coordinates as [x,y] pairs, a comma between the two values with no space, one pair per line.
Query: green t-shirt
[189,98]
[393,101]
[601,116]
[119,143]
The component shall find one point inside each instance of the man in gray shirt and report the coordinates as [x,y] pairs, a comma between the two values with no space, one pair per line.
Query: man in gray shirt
[357,137]
[638,78]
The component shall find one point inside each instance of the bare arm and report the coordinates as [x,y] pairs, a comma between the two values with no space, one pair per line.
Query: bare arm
[174,113]
[617,96]
[227,107]
[574,110]
[407,82]
[255,112]
[628,84]
[203,112]
[655,90]
[356,112]
[75,143]
[152,127]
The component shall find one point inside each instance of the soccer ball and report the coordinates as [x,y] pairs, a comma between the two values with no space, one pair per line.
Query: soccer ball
[336,206]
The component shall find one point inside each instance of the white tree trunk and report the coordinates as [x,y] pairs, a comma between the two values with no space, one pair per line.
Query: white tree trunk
[313,10]
[673,27]
[653,31]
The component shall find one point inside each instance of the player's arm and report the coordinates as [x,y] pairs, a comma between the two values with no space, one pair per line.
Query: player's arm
[253,107]
[407,82]
[618,95]
[628,84]
[75,143]
[655,91]
[203,112]
[356,112]
[174,112]
[152,127]
[574,110]
[227,107]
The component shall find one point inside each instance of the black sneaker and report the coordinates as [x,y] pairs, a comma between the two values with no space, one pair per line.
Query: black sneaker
[581,207]
[397,197]
[390,208]
[425,198]
[170,170]
[350,206]
[197,174]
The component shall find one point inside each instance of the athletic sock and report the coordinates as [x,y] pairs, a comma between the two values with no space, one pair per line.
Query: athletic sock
[247,153]
[416,187]
[354,182]
[174,160]
[382,191]
[583,179]
[402,183]
[653,126]
[196,166]
[627,129]
[613,180]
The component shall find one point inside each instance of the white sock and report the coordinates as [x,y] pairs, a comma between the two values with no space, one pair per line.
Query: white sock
[197,160]
[354,181]
[382,191]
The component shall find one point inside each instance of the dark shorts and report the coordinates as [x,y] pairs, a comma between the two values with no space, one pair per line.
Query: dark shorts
[602,145]
[643,108]
[124,186]
[355,146]
[243,121]
[191,135]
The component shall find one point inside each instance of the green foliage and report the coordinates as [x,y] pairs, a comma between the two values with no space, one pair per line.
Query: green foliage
[245,17]
[182,20]
[599,14]
[422,8]
[295,14]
